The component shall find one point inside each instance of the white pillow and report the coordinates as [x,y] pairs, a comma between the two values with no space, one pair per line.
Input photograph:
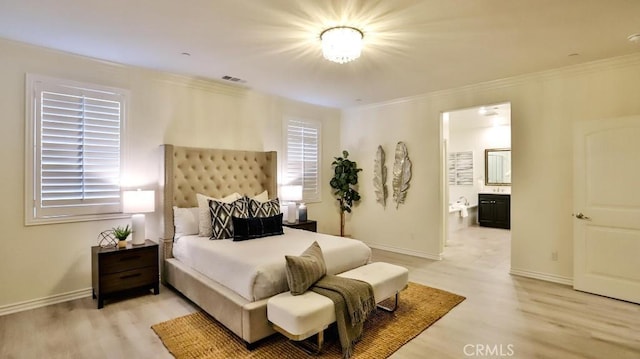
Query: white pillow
[185,221]
[204,223]
[262,197]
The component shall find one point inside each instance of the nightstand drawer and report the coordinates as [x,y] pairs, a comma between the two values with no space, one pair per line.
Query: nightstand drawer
[131,259]
[128,279]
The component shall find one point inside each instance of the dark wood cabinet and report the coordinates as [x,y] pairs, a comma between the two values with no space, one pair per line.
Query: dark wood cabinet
[115,270]
[309,225]
[494,210]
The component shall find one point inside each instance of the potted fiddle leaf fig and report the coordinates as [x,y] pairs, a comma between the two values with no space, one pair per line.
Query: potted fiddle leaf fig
[121,233]
[345,177]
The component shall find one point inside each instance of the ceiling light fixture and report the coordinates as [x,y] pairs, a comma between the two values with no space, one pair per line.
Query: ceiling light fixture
[341,44]
[484,111]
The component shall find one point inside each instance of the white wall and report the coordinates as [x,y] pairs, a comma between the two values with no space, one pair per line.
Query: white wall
[477,140]
[53,260]
[544,107]
[42,263]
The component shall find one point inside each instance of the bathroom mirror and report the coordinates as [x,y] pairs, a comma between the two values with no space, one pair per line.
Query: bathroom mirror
[497,167]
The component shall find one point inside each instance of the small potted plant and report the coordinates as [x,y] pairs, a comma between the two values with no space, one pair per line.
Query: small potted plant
[121,233]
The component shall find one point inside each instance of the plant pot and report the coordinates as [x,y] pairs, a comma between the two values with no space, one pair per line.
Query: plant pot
[122,244]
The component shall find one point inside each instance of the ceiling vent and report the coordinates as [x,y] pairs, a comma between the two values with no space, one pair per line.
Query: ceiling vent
[233,79]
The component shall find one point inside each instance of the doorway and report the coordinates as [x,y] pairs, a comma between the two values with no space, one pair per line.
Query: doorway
[470,138]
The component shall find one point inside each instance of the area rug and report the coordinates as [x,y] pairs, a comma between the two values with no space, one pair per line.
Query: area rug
[198,335]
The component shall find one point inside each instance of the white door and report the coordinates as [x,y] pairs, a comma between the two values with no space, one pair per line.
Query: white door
[606,204]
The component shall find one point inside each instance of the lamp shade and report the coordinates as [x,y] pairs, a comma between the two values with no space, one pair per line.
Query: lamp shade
[138,201]
[291,193]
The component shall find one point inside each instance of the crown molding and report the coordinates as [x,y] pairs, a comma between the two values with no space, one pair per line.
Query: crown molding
[198,83]
[546,75]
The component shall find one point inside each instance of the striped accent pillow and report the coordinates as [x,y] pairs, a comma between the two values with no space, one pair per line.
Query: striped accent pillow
[258,227]
[305,270]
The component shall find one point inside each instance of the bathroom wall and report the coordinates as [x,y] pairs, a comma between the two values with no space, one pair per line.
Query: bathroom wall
[466,135]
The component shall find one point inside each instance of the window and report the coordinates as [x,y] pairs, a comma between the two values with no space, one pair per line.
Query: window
[302,157]
[74,150]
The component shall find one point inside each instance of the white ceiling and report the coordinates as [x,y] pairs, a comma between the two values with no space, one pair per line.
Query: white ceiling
[411,46]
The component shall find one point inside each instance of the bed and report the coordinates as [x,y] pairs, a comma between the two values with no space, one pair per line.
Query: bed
[234,288]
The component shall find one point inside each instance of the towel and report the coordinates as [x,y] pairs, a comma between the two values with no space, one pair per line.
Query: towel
[463,212]
[353,301]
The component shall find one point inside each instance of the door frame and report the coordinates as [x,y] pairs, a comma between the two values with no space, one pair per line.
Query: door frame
[444,183]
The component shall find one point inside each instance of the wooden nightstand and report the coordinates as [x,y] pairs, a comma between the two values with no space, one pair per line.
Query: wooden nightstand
[309,225]
[116,270]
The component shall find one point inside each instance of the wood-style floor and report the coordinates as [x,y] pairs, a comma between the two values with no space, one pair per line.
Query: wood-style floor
[503,315]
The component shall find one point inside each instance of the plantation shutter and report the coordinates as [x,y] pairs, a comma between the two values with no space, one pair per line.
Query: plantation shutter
[303,157]
[78,151]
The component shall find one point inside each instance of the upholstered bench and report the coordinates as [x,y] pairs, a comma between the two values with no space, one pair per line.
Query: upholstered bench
[299,317]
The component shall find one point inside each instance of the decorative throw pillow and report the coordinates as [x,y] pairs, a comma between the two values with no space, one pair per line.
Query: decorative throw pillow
[250,228]
[264,209]
[185,221]
[221,217]
[305,270]
[204,223]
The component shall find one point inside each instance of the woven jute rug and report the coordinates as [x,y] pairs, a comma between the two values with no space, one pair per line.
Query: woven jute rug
[198,335]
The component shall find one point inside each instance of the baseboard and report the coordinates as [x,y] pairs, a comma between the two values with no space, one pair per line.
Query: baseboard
[542,276]
[43,302]
[406,251]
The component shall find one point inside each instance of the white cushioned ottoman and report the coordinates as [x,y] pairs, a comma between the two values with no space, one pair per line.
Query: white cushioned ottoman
[299,317]
[385,278]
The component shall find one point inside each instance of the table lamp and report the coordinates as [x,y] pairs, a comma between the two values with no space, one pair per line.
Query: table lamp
[291,194]
[138,202]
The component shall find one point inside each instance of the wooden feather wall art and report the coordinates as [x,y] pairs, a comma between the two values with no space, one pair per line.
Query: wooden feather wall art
[401,174]
[380,177]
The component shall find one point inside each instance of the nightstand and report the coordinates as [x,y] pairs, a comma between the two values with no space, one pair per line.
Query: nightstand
[309,225]
[115,270]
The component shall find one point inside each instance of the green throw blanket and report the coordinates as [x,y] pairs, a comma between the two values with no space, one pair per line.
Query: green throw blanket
[353,301]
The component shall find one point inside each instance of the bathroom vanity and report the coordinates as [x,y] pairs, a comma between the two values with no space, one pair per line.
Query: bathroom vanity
[494,210]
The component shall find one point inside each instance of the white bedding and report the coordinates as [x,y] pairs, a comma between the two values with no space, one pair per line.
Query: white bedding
[255,269]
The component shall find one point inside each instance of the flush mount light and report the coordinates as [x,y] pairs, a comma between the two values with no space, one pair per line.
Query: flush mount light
[485,111]
[341,44]
[634,38]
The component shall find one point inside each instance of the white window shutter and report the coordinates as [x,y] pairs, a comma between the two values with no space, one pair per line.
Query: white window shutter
[302,164]
[77,150]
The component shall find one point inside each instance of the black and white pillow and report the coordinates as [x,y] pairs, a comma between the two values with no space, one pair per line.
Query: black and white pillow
[256,227]
[221,216]
[264,209]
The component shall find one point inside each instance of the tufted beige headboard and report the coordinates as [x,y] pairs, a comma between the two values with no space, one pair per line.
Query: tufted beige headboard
[215,173]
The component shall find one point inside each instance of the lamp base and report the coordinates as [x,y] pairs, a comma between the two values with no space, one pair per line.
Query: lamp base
[137,225]
[291,212]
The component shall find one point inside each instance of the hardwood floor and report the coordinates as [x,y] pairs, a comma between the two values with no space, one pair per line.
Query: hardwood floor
[503,315]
